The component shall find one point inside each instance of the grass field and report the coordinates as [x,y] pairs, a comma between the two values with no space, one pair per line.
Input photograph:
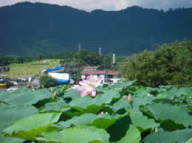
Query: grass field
[30,69]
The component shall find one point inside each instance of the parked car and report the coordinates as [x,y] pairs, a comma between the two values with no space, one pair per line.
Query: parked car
[4,82]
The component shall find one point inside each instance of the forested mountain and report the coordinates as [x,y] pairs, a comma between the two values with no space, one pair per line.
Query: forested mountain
[35,28]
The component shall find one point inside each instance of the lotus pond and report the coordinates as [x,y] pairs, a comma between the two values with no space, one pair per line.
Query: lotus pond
[121,113]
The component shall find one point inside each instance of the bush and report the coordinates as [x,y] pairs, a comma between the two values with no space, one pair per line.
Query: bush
[170,64]
[46,81]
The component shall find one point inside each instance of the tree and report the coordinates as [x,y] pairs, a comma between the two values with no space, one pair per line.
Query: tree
[47,81]
[170,64]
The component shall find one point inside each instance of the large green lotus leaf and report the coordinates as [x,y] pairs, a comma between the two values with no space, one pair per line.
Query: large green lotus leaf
[99,121]
[105,121]
[156,89]
[24,96]
[121,85]
[82,102]
[76,135]
[60,106]
[29,127]
[180,95]
[141,121]
[189,141]
[161,95]
[10,140]
[165,91]
[85,104]
[177,114]
[141,101]
[11,114]
[4,105]
[72,94]
[102,88]
[121,104]
[171,93]
[118,130]
[163,88]
[93,105]
[132,136]
[78,120]
[142,91]
[178,136]
[106,97]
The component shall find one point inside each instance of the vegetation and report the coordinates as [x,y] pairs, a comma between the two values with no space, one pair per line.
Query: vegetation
[121,113]
[7,60]
[170,64]
[47,81]
[30,69]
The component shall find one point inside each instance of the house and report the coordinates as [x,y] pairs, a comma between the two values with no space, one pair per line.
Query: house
[107,75]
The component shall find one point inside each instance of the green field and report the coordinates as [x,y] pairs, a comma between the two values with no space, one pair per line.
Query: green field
[30,69]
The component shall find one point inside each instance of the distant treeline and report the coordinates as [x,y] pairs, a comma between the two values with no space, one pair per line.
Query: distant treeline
[6,60]
[83,57]
[171,64]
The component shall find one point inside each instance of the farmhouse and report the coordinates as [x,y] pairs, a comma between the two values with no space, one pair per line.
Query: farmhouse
[107,75]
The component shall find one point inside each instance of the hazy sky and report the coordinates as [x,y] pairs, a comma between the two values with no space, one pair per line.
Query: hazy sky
[111,4]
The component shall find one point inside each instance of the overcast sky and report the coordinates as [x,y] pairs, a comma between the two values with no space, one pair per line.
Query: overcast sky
[111,4]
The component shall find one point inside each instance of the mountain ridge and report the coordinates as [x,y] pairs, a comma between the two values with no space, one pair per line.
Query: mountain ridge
[66,6]
[41,3]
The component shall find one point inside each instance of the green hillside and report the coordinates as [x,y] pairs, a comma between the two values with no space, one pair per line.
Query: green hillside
[29,29]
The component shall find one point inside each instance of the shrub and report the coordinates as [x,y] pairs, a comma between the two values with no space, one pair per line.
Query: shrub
[47,81]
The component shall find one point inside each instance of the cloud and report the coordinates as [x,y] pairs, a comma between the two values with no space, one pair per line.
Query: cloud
[163,4]
[110,4]
[80,4]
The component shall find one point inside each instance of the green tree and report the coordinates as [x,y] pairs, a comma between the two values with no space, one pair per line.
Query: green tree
[170,64]
[46,81]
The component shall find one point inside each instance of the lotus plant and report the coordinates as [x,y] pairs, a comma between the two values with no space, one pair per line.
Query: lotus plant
[88,86]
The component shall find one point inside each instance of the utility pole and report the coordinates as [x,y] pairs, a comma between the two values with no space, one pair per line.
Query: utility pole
[100,51]
[79,47]
[105,78]
[114,59]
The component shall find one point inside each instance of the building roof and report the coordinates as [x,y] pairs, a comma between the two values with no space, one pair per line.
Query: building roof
[97,72]
[89,68]
[55,69]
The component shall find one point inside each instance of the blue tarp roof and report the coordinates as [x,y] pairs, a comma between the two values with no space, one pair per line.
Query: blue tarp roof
[55,69]
[60,81]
